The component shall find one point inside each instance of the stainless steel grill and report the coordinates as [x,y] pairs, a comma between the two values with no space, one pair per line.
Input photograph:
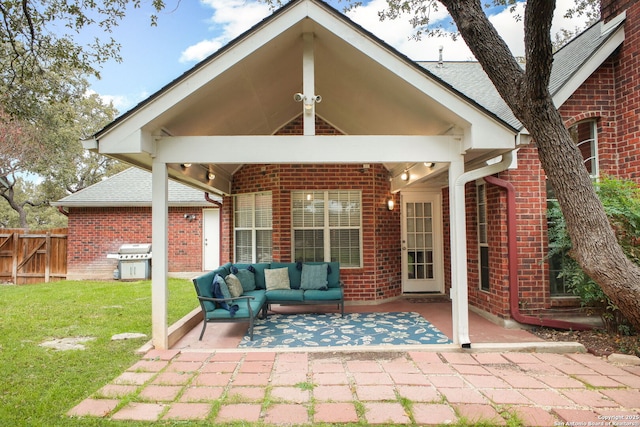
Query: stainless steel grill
[134,261]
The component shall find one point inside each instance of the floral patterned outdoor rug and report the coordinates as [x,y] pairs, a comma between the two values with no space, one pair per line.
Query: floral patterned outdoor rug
[350,330]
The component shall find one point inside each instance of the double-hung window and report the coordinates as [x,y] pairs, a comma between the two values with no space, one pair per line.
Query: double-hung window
[585,136]
[253,227]
[483,240]
[327,226]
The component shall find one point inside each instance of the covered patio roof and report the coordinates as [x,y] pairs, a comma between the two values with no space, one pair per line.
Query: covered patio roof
[225,112]
[246,90]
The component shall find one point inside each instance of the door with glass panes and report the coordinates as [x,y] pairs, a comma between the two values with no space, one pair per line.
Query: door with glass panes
[422,261]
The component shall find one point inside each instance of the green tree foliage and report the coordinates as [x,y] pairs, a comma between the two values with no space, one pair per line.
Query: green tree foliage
[45,59]
[621,201]
[41,40]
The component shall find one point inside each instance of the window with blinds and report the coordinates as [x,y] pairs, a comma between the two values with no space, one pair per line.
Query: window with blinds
[252,218]
[327,226]
[483,240]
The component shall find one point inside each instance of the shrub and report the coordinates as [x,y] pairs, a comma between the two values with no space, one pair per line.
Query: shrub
[621,201]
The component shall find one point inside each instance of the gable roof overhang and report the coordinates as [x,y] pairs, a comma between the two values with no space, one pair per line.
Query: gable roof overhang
[575,62]
[225,111]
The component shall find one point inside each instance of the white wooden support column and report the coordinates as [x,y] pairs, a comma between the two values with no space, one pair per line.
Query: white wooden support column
[308,85]
[160,246]
[458,232]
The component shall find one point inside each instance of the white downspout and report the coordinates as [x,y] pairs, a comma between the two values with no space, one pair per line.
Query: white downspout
[458,231]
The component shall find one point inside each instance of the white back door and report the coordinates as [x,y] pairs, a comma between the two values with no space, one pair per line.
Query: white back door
[210,239]
[422,260]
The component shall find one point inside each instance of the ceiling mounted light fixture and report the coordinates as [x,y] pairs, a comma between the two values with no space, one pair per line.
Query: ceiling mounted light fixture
[186,165]
[308,101]
[211,176]
[429,164]
[404,175]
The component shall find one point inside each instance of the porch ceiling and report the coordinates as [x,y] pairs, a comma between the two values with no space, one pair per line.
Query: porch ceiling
[255,95]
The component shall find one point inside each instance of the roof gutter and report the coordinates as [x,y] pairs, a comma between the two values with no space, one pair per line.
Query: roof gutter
[512,248]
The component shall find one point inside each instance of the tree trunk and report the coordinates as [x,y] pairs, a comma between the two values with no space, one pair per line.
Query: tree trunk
[595,247]
[8,195]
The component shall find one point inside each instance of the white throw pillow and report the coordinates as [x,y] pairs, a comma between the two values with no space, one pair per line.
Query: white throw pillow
[277,278]
[234,285]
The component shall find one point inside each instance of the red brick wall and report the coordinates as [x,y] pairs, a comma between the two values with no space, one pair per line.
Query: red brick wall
[95,232]
[596,100]
[379,277]
[628,97]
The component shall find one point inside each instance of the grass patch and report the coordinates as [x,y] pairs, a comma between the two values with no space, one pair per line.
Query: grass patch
[39,385]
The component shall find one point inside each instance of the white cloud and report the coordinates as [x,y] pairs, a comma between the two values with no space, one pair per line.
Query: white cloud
[122,103]
[230,19]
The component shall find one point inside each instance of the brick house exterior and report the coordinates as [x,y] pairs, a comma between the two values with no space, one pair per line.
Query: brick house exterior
[609,96]
[253,152]
[117,211]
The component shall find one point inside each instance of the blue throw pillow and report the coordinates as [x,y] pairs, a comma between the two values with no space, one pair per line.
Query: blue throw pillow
[247,279]
[221,290]
[314,277]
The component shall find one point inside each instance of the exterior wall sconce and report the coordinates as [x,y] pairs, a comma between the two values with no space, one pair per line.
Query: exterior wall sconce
[190,217]
[390,204]
[405,175]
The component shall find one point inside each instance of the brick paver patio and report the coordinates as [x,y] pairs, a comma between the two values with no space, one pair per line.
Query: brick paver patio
[403,388]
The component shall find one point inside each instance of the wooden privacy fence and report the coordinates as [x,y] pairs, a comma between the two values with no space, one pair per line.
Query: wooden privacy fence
[33,257]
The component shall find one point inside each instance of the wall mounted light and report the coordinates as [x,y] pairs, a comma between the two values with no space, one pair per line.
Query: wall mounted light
[190,217]
[390,204]
[404,175]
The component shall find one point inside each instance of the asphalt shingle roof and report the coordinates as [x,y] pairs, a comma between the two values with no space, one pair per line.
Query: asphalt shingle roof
[469,78]
[132,187]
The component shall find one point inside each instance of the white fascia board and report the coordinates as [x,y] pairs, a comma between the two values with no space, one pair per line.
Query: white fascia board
[588,68]
[215,67]
[447,99]
[307,149]
[484,135]
[138,141]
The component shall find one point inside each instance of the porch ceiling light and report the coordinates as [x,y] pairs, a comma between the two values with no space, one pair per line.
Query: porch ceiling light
[308,101]
[429,164]
[186,165]
[404,175]
[211,176]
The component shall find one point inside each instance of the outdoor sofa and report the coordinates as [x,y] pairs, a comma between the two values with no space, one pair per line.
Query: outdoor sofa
[242,292]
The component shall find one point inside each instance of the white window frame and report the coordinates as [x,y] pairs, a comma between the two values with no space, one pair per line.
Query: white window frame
[483,239]
[595,167]
[252,227]
[326,227]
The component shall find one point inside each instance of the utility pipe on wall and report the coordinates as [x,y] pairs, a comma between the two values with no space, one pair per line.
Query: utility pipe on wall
[512,248]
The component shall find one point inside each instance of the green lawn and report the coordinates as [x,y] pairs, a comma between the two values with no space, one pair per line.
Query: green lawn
[39,385]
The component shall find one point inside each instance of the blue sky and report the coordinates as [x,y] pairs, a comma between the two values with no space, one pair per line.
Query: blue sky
[190,30]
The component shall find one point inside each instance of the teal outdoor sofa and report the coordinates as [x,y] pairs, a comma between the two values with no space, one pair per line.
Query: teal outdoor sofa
[242,292]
